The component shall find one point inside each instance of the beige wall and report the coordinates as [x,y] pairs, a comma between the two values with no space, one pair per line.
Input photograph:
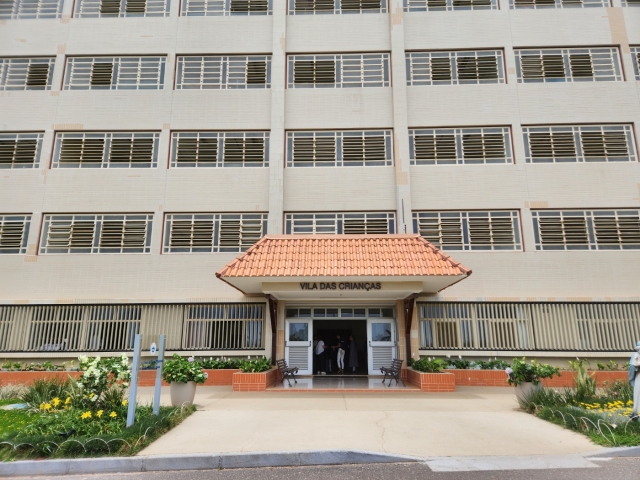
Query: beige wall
[161,278]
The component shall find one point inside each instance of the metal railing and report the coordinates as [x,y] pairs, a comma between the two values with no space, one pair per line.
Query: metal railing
[112,328]
[590,327]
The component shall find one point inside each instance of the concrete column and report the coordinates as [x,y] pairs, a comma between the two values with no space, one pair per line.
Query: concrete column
[276,138]
[400,127]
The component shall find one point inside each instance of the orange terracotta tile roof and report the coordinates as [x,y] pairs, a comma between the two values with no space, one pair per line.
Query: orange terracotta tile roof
[342,256]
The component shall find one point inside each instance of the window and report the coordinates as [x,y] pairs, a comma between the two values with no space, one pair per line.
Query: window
[81,233]
[213,72]
[122,8]
[339,71]
[587,143]
[23,9]
[298,7]
[113,328]
[20,150]
[568,65]
[498,230]
[26,73]
[206,8]
[212,233]
[439,5]
[106,150]
[458,146]
[54,328]
[339,149]
[630,3]
[223,327]
[635,55]
[558,3]
[14,233]
[454,68]
[114,73]
[587,230]
[365,223]
[220,149]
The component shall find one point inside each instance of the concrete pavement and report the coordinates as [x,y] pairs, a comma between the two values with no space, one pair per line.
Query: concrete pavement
[473,421]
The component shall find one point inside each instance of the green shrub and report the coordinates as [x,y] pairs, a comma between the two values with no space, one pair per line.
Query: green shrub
[429,365]
[490,364]
[182,370]
[520,371]
[585,382]
[221,364]
[256,365]
[44,390]
[459,363]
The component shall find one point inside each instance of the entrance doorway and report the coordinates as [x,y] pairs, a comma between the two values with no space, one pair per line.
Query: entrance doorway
[374,330]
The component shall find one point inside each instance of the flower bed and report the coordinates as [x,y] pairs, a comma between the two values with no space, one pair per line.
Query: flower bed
[480,378]
[254,382]
[27,378]
[567,378]
[432,382]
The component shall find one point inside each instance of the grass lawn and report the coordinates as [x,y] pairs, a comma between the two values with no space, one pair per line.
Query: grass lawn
[12,420]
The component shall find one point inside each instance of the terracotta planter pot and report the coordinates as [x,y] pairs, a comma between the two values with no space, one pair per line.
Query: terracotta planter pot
[432,382]
[182,393]
[525,388]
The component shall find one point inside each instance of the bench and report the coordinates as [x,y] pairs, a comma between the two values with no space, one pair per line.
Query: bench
[286,371]
[394,371]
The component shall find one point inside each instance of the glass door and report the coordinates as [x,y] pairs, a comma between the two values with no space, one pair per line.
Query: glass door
[297,345]
[381,333]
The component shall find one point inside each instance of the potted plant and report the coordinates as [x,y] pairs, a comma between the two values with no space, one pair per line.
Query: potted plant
[182,374]
[526,376]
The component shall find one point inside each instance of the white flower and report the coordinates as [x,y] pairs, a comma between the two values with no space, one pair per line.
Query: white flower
[448,355]
[460,357]
[614,425]
[509,370]
[249,357]
[206,375]
[190,359]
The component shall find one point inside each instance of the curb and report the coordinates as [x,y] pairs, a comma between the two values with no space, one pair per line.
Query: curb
[204,461]
[618,452]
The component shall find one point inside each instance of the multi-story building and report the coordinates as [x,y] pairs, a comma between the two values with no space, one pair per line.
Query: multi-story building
[145,144]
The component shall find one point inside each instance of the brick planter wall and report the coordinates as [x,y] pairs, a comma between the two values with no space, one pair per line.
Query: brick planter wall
[147,378]
[480,378]
[254,382]
[567,379]
[432,382]
[27,378]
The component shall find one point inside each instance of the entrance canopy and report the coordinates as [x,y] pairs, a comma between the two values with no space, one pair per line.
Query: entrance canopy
[376,267]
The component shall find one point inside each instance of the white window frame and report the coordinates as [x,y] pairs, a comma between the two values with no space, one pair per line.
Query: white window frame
[30,9]
[337,9]
[630,3]
[332,223]
[107,137]
[576,131]
[98,220]
[91,9]
[635,58]
[423,5]
[597,54]
[129,73]
[418,66]
[351,70]
[338,137]
[23,136]
[459,134]
[464,217]
[220,137]
[562,4]
[216,8]
[588,217]
[218,72]
[13,219]
[14,72]
[215,219]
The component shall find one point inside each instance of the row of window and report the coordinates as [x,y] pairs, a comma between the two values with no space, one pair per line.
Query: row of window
[341,148]
[203,72]
[236,232]
[11,9]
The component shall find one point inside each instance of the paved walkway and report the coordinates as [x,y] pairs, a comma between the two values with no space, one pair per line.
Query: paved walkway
[473,421]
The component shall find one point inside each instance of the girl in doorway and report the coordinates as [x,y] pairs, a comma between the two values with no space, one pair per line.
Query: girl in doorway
[353,353]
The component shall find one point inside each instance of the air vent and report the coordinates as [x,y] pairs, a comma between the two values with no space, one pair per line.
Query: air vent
[38,76]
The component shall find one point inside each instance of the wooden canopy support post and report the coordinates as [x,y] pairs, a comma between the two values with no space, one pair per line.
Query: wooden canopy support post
[273,313]
[409,303]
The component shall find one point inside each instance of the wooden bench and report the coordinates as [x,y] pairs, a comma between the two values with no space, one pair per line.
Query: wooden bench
[394,371]
[286,371]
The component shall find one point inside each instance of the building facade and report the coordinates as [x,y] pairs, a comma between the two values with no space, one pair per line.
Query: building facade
[145,144]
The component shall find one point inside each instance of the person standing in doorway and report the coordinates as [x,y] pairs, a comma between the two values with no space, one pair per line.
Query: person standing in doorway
[353,353]
[319,348]
[341,346]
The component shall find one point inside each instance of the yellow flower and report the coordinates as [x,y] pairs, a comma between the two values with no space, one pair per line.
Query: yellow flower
[56,401]
[42,406]
[67,401]
[124,402]
[85,415]
[99,413]
[113,414]
[47,406]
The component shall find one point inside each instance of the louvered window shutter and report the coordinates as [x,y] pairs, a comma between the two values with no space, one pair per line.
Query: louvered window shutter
[491,231]
[123,235]
[82,151]
[542,66]
[363,149]
[37,76]
[110,7]
[256,73]
[136,6]
[101,74]
[604,144]
[314,72]
[11,235]
[360,4]
[581,65]
[622,230]
[563,231]
[243,150]
[552,145]
[477,68]
[71,235]
[435,147]
[18,153]
[197,151]
[230,233]
[314,150]
[131,151]
[440,69]
[247,6]
[314,5]
[483,146]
